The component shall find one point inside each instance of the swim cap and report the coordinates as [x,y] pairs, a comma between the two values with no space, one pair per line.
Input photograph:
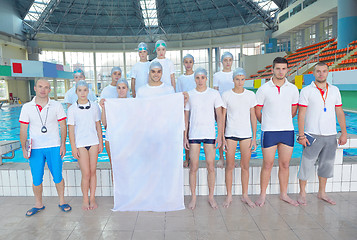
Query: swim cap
[188,56]
[155,64]
[225,55]
[78,71]
[123,80]
[160,43]
[142,46]
[115,69]
[239,71]
[200,71]
[81,83]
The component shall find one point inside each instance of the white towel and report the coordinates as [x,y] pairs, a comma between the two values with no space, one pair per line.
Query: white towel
[146,143]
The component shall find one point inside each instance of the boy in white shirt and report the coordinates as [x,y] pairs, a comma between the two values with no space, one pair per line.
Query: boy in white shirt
[239,111]
[71,97]
[85,135]
[168,67]
[140,72]
[276,107]
[200,112]
[222,81]
[185,83]
[110,91]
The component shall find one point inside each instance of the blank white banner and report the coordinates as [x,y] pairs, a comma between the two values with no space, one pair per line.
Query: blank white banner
[146,143]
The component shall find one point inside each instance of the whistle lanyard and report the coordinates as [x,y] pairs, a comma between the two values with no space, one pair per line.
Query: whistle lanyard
[322,95]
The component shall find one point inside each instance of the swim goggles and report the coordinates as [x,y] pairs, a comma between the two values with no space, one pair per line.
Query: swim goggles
[82,107]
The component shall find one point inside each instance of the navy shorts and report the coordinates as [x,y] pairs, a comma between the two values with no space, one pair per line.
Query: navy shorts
[272,138]
[204,141]
[238,139]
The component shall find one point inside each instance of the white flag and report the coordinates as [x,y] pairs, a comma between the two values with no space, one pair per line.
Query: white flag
[146,143]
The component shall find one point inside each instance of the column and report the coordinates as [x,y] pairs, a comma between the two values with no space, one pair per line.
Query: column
[346,23]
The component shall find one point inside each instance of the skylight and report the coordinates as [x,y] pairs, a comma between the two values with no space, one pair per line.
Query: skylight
[149,11]
[36,10]
[266,5]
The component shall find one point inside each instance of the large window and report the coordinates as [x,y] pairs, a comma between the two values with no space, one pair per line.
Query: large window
[312,34]
[175,57]
[51,56]
[328,28]
[252,48]
[84,61]
[105,61]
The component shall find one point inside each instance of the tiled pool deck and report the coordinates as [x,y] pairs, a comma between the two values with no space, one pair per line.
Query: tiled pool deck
[276,220]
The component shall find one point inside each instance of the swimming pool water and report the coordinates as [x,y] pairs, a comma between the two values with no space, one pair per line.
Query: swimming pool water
[10,130]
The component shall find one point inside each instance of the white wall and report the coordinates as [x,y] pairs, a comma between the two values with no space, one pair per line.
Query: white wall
[254,63]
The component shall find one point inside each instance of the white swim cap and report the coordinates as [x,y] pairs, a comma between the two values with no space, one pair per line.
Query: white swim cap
[188,56]
[155,64]
[160,43]
[200,71]
[78,71]
[142,46]
[123,80]
[225,55]
[239,71]
[82,83]
[115,69]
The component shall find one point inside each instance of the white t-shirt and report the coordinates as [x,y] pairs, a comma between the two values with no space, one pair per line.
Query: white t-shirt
[109,92]
[223,80]
[185,83]
[168,68]
[140,72]
[152,91]
[317,121]
[84,122]
[202,107]
[50,114]
[71,96]
[277,104]
[238,107]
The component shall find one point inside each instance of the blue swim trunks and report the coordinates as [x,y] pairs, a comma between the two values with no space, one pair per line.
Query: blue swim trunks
[272,138]
[54,163]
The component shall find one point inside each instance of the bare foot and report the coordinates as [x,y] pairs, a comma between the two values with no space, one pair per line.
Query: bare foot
[326,198]
[85,204]
[185,164]
[227,202]
[302,199]
[93,205]
[220,163]
[212,202]
[192,204]
[247,200]
[260,201]
[287,199]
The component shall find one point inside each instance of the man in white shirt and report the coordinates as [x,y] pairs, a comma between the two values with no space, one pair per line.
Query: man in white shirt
[140,72]
[319,105]
[276,106]
[155,87]
[200,112]
[42,116]
[71,97]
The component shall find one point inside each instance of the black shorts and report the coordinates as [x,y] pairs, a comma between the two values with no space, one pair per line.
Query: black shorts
[204,141]
[237,138]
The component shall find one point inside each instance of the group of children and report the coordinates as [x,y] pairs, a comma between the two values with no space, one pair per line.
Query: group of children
[234,108]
